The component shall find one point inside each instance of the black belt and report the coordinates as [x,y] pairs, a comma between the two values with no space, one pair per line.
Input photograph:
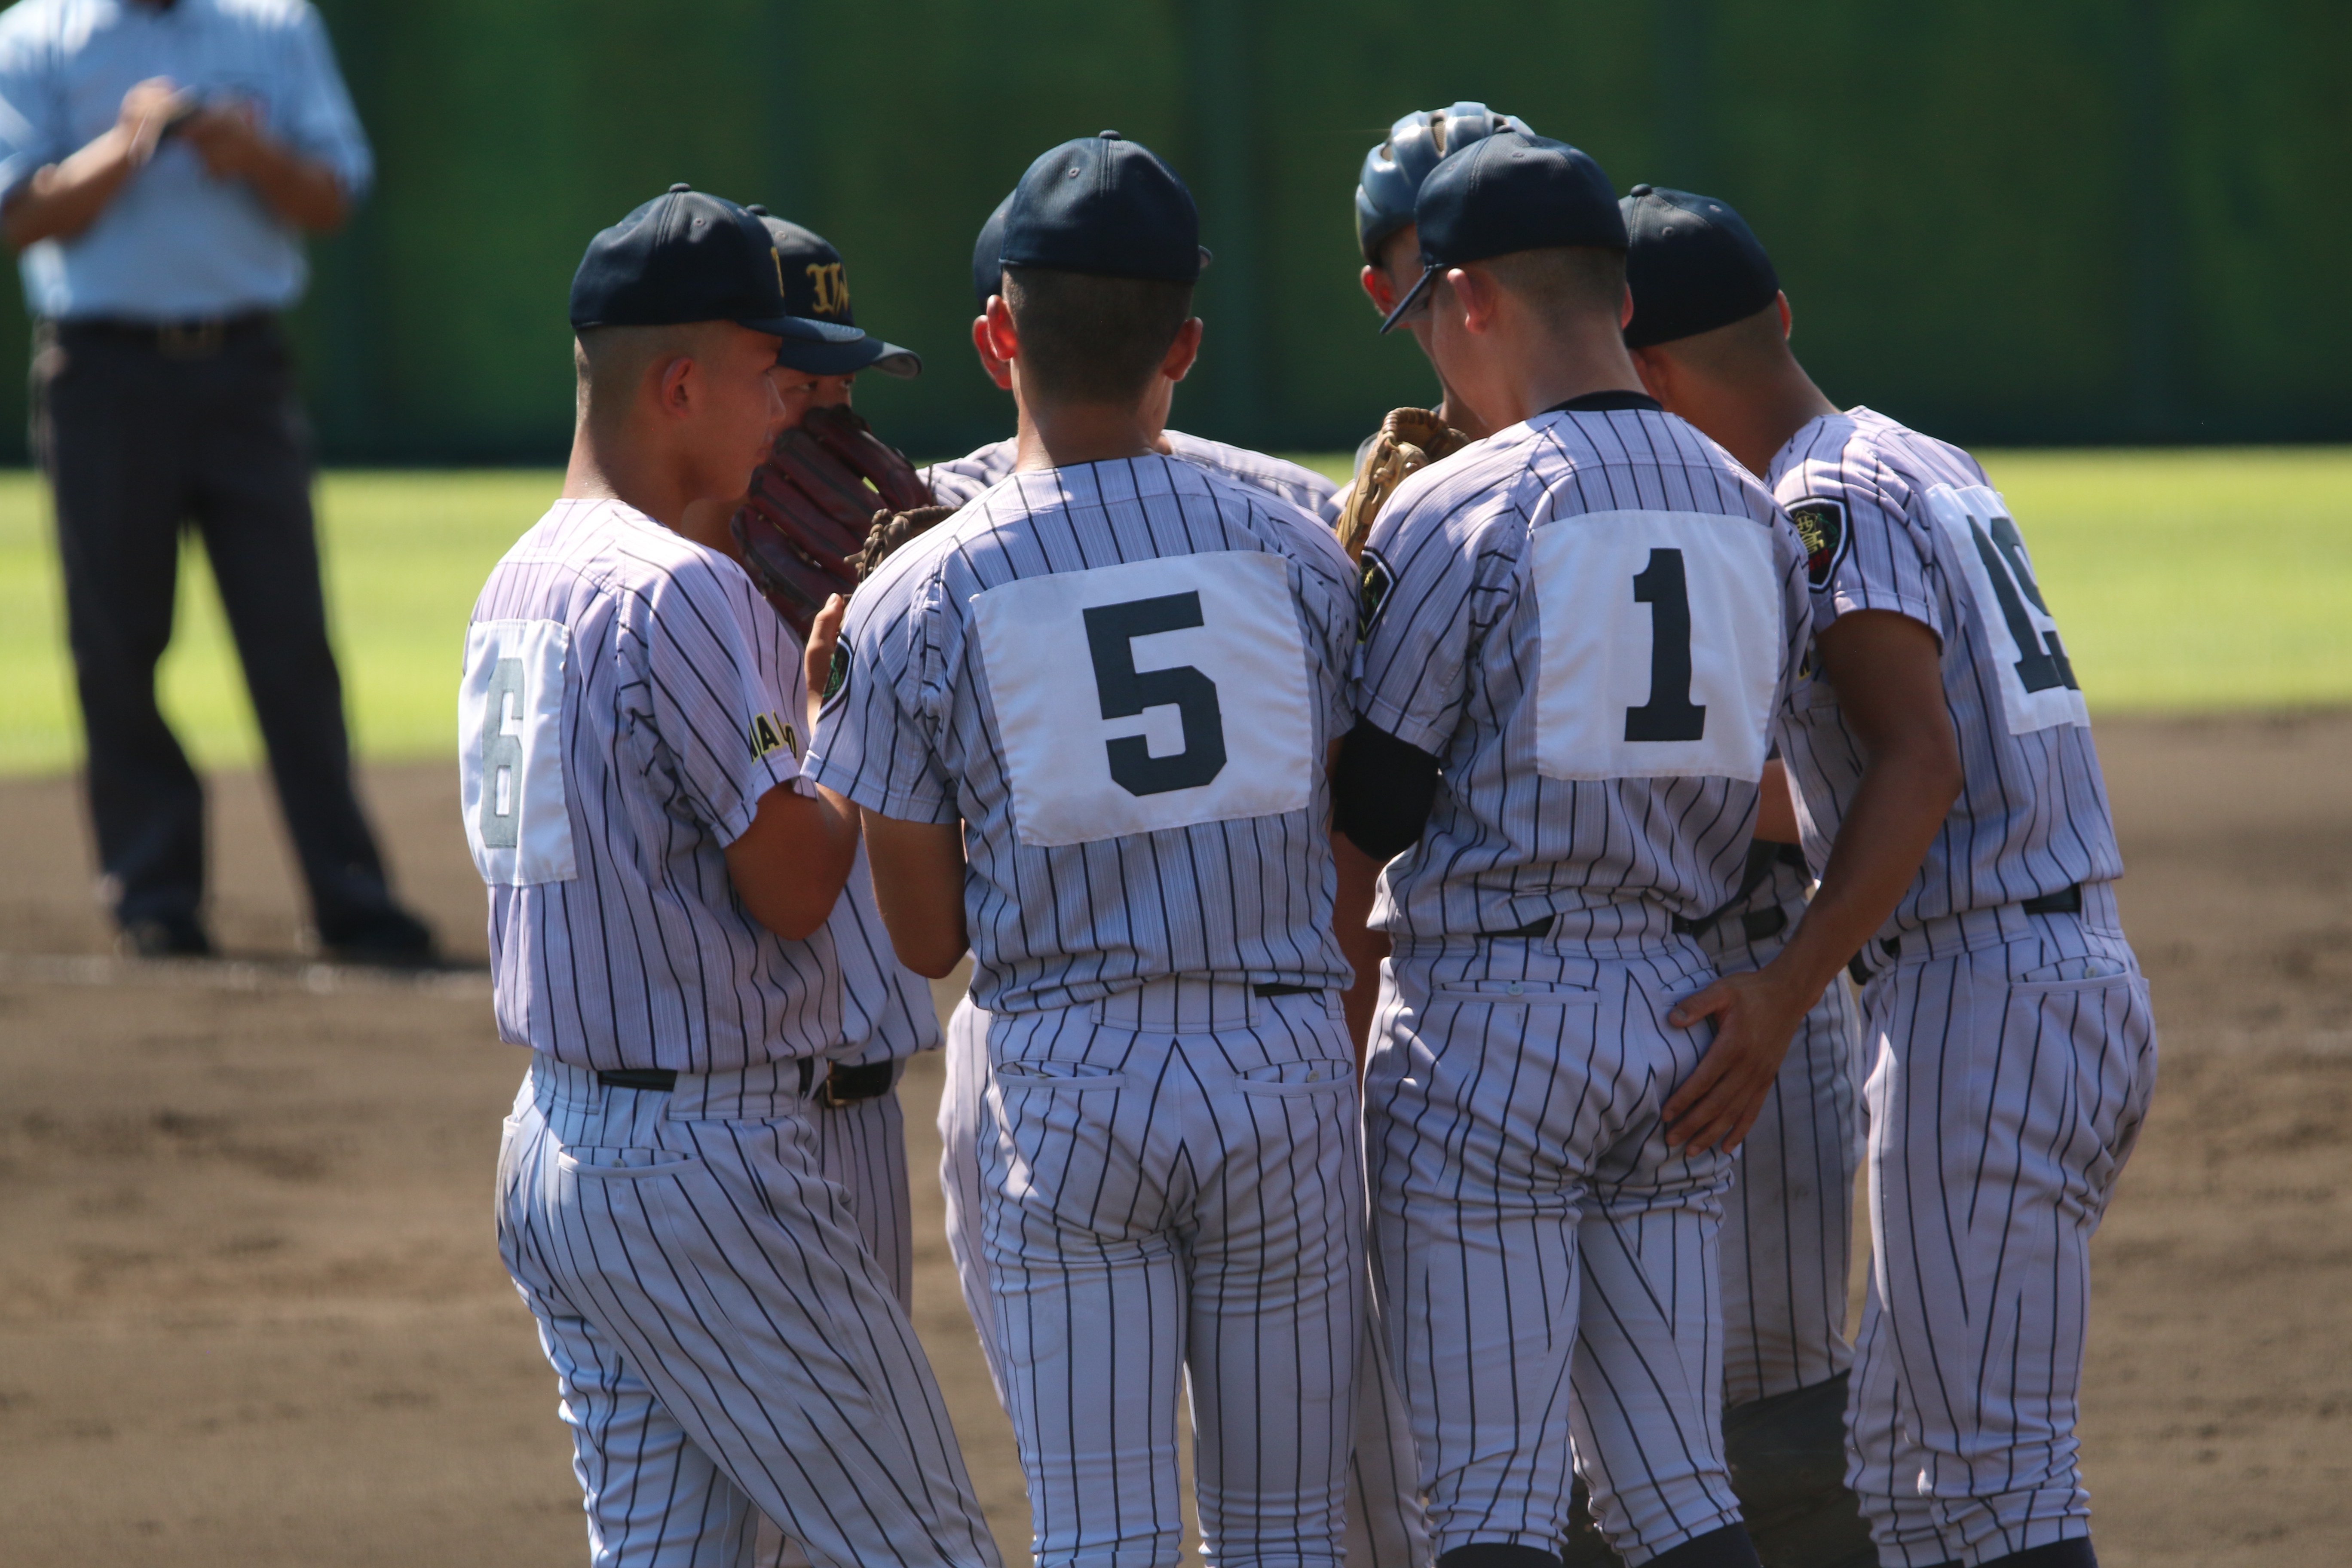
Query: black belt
[2064,901]
[1284,988]
[848,1084]
[662,1081]
[174,340]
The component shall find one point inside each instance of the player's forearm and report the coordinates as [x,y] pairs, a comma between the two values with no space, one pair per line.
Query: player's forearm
[790,866]
[62,200]
[1362,947]
[918,872]
[1904,796]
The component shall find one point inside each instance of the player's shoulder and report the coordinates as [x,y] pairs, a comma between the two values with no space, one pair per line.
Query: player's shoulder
[956,481]
[30,25]
[1487,480]
[607,550]
[1294,482]
[1862,456]
[1280,522]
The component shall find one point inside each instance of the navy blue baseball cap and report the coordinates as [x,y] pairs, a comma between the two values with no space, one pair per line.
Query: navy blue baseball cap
[1693,265]
[817,289]
[1505,193]
[988,257]
[1107,205]
[688,256]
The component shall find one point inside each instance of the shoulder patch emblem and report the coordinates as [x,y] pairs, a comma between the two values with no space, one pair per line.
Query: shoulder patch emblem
[1373,581]
[837,674]
[1821,524]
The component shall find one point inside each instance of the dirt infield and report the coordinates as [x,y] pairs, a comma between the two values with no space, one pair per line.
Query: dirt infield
[251,1312]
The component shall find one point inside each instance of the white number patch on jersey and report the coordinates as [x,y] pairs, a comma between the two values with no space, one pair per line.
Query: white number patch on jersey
[2037,679]
[510,752]
[1150,694]
[1660,647]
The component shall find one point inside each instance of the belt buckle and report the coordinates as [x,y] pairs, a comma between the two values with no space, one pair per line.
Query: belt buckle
[846,1084]
[190,340]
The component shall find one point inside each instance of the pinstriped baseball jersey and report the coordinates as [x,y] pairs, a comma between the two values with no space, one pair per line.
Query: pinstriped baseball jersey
[1591,618]
[957,481]
[1124,678]
[626,701]
[1897,521]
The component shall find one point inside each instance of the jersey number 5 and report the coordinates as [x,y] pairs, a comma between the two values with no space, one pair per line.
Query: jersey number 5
[1203,654]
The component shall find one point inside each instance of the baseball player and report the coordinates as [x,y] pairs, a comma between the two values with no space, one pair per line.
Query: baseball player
[1386,1528]
[666,935]
[957,481]
[1087,721]
[2010,1047]
[1577,633]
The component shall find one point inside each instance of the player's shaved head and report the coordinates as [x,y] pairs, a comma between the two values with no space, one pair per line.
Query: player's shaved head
[1565,285]
[609,364]
[1088,338]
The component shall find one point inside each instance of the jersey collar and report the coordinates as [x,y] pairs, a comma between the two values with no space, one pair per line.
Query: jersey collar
[1609,401]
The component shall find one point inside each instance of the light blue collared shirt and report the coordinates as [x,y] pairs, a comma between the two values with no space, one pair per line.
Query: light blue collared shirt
[174,244]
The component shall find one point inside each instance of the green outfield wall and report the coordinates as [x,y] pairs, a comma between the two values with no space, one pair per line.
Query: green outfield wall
[2006,220]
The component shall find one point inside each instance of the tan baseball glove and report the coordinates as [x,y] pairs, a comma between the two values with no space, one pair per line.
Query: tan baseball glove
[1410,440]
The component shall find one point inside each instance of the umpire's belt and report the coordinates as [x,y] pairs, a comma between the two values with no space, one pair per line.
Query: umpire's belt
[196,339]
[1875,956]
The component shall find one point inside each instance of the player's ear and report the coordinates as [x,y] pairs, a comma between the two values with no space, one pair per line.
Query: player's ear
[995,366]
[1183,351]
[1656,371]
[677,383]
[1474,296]
[1004,341]
[1783,299]
[1378,289]
[1625,310]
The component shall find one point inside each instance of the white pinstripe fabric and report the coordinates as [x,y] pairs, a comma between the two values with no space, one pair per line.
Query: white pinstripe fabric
[955,482]
[1788,1223]
[723,1341]
[1449,666]
[2032,813]
[914,735]
[2013,1058]
[644,959]
[1177,1210]
[1386,1525]
[1546,1264]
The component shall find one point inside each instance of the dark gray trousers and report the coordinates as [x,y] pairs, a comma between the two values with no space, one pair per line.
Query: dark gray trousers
[140,438]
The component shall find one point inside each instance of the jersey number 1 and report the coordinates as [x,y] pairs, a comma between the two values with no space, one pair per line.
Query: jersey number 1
[1669,714]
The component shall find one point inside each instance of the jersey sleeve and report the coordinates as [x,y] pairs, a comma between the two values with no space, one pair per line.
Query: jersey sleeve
[716,694]
[1328,607]
[1852,518]
[1428,582]
[876,737]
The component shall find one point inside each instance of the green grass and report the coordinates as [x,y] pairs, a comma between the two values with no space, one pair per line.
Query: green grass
[2185,582]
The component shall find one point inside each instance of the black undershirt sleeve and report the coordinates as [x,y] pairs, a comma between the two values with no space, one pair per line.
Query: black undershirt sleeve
[1381,791]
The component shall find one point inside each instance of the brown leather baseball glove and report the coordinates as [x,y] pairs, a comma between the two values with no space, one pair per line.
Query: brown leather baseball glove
[1410,440]
[813,505]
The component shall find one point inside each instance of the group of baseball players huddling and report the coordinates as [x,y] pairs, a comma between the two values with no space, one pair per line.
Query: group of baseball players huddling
[1408,926]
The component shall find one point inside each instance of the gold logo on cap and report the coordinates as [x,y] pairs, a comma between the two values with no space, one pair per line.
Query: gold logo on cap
[832,288]
[777,258]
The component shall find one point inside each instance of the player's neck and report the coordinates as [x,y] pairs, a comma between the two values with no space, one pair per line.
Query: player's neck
[1064,435]
[604,467]
[1756,423]
[1540,371]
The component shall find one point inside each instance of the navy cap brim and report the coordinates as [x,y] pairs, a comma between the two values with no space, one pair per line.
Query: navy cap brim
[847,359]
[1412,294]
[802,329]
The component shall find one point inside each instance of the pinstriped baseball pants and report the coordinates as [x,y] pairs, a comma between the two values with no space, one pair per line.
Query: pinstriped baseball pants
[1386,1526]
[1546,1264]
[723,1339]
[1788,1222]
[1171,1200]
[2013,1056]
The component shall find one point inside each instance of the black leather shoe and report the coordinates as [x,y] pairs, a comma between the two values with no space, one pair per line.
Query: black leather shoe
[166,936]
[388,938]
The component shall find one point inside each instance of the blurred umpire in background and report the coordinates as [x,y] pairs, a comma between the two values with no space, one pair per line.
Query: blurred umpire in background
[158,160]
